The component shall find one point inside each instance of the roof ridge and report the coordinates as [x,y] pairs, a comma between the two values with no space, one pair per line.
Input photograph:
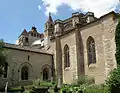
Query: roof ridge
[24,48]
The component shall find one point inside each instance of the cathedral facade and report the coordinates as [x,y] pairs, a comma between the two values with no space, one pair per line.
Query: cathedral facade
[79,45]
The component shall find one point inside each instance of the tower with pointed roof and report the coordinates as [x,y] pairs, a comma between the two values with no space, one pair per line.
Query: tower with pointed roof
[28,38]
[49,27]
[23,38]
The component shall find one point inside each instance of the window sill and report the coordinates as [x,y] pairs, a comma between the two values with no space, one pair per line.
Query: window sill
[92,65]
[67,68]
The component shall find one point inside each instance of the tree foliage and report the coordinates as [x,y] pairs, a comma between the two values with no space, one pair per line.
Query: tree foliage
[117,40]
[113,81]
[3,57]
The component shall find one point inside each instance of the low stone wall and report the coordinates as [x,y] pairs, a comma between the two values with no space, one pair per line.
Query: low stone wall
[25,82]
[22,83]
[39,90]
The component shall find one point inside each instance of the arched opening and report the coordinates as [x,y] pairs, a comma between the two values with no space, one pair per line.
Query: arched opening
[91,50]
[34,34]
[26,39]
[66,57]
[31,34]
[24,73]
[45,74]
[5,70]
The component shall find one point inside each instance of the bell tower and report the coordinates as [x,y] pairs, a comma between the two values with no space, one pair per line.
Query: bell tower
[49,27]
[48,31]
[23,38]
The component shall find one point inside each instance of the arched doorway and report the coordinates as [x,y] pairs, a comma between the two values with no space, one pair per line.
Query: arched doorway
[24,73]
[45,74]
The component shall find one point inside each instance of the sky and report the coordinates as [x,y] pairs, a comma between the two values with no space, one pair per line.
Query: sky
[17,15]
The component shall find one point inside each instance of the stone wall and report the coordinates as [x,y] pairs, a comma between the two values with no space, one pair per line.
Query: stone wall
[2,82]
[94,70]
[36,63]
[109,27]
[102,31]
[69,73]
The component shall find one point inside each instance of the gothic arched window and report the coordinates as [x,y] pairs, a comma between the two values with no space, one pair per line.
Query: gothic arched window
[45,74]
[66,56]
[24,73]
[91,50]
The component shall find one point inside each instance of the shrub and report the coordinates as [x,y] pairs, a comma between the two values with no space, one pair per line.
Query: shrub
[93,88]
[85,80]
[96,89]
[113,81]
[39,83]
[117,40]
[46,84]
[3,58]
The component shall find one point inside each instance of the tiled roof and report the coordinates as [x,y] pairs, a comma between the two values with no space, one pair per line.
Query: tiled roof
[25,48]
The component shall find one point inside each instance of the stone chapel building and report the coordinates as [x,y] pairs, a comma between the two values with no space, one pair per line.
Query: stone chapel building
[79,45]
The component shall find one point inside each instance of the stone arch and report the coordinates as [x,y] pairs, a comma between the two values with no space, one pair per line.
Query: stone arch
[25,68]
[46,72]
[91,50]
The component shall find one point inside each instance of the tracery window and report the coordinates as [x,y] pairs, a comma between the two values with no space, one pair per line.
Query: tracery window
[24,73]
[66,57]
[91,50]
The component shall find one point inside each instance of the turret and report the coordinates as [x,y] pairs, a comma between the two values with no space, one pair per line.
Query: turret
[90,17]
[58,27]
[75,18]
[78,18]
[48,32]
[23,38]
[33,35]
[49,27]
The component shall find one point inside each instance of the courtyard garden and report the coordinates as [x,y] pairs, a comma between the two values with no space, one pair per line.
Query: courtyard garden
[85,84]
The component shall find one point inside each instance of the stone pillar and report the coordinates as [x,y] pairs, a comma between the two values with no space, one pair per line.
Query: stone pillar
[53,70]
[59,61]
[57,33]
[79,51]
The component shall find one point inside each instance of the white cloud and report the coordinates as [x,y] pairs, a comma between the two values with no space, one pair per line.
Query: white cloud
[39,7]
[99,7]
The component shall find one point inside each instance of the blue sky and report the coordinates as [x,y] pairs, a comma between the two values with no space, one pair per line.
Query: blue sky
[16,15]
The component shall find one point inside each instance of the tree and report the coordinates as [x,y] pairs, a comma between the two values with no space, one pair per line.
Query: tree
[113,80]
[117,40]
[3,57]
